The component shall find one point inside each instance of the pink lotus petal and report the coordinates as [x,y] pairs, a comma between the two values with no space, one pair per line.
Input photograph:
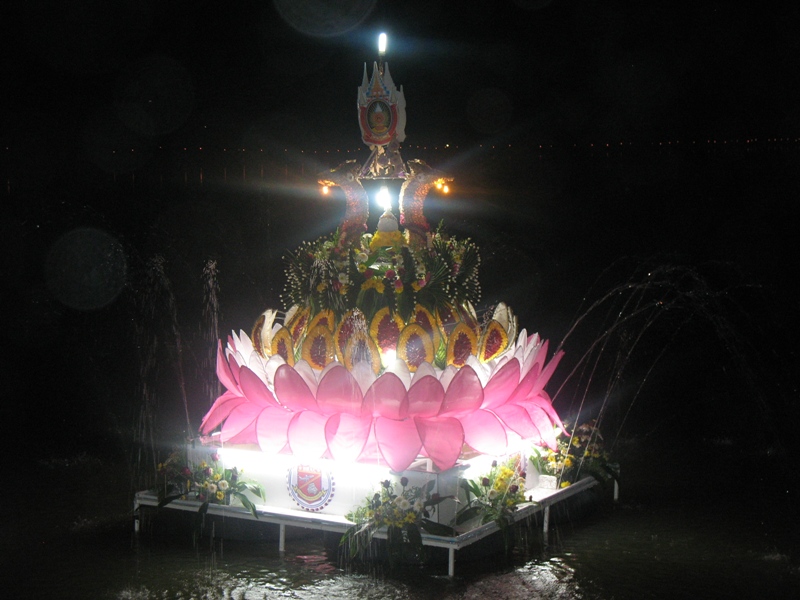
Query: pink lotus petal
[425,397]
[502,384]
[545,426]
[234,368]
[484,432]
[307,435]
[525,386]
[292,391]
[398,441]
[539,354]
[254,389]
[272,429]
[346,436]
[220,410]
[240,426]
[547,372]
[442,440]
[387,397]
[338,392]
[371,454]
[516,418]
[543,402]
[464,394]
[224,371]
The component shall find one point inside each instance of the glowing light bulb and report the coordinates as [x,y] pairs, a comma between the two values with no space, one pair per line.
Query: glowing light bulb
[325,190]
[382,43]
[446,189]
[384,201]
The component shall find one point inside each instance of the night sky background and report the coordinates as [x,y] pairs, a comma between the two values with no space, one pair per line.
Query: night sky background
[592,142]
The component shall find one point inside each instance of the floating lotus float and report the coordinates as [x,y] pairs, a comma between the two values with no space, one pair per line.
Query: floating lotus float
[381,356]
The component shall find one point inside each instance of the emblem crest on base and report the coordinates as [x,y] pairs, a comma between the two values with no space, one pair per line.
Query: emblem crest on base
[310,487]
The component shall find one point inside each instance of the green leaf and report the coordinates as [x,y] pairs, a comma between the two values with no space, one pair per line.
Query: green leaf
[438,500]
[468,514]
[247,504]
[437,528]
[162,503]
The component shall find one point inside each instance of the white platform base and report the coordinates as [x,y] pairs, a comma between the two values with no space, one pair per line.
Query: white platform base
[543,499]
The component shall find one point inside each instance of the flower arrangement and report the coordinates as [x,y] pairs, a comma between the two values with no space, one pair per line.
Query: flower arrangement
[403,515]
[207,482]
[579,454]
[328,274]
[495,495]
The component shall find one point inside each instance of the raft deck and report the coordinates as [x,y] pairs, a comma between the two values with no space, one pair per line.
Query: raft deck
[543,499]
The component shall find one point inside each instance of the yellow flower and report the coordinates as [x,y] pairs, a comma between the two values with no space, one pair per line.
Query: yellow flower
[373,283]
[217,476]
[321,287]
[220,496]
[565,484]
[203,464]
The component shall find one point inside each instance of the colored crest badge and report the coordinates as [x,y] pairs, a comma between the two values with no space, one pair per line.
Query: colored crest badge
[311,488]
[381,108]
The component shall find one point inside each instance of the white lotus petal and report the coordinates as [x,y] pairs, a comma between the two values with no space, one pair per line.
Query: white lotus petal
[308,374]
[364,375]
[400,368]
[275,361]
[425,368]
[480,370]
[447,376]
[256,365]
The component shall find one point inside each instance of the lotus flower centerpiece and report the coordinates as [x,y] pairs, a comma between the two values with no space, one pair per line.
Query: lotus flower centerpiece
[380,356]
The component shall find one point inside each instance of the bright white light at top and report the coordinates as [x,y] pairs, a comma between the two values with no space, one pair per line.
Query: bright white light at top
[384,201]
[382,43]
